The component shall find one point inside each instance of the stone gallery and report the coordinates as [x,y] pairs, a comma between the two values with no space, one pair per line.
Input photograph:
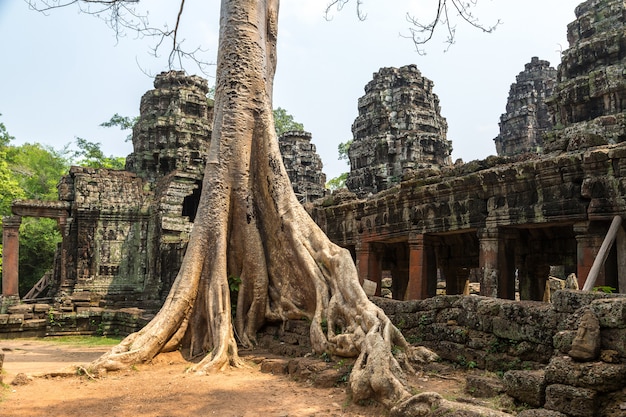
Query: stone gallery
[547,207]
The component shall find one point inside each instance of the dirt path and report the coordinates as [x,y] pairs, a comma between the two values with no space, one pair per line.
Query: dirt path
[163,389]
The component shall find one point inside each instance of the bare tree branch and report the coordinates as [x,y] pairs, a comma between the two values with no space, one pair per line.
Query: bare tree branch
[421,33]
[122,16]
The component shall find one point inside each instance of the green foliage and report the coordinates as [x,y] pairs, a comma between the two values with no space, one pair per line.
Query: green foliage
[123,122]
[38,243]
[89,154]
[284,122]
[343,149]
[234,283]
[337,183]
[605,289]
[37,169]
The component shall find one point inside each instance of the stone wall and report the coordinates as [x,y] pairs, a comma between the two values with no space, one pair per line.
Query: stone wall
[527,118]
[527,343]
[399,129]
[303,165]
[107,241]
[589,100]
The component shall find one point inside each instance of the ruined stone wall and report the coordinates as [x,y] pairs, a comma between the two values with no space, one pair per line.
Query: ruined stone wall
[493,193]
[303,165]
[108,233]
[399,129]
[532,338]
[527,118]
[589,100]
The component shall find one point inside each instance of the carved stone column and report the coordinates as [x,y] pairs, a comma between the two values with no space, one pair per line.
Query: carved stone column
[422,269]
[589,240]
[10,255]
[368,263]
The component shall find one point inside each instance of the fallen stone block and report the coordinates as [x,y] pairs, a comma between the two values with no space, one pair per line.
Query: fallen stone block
[527,387]
[574,401]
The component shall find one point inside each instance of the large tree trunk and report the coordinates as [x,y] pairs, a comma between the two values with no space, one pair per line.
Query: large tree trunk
[250,225]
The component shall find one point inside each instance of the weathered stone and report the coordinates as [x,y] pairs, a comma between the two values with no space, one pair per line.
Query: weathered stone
[568,301]
[41,308]
[480,386]
[599,376]
[399,129]
[526,118]
[21,379]
[611,312]
[588,100]
[586,344]
[303,165]
[526,386]
[274,366]
[328,378]
[614,339]
[20,309]
[562,341]
[573,401]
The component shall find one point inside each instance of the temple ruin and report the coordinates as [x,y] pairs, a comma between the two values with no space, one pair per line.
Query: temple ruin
[303,165]
[527,119]
[399,130]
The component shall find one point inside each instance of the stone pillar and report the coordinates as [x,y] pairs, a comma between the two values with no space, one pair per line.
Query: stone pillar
[621,260]
[489,243]
[64,227]
[368,263]
[589,240]
[422,269]
[10,255]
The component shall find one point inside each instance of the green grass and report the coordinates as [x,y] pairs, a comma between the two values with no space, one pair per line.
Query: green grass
[84,340]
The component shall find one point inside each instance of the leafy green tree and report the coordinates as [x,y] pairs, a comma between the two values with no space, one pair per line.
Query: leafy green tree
[123,122]
[343,149]
[337,183]
[89,154]
[9,186]
[37,169]
[38,243]
[284,122]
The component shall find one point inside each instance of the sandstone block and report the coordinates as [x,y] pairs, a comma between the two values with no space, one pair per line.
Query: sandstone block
[15,319]
[614,339]
[274,366]
[480,386]
[20,309]
[526,386]
[599,376]
[610,312]
[562,341]
[41,308]
[573,401]
[568,301]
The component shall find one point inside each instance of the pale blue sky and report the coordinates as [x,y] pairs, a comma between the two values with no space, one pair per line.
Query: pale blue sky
[63,74]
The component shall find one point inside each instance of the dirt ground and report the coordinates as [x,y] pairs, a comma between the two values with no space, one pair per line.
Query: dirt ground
[164,389]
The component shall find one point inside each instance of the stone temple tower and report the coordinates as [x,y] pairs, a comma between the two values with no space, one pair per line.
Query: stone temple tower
[174,128]
[303,165]
[589,100]
[399,129]
[527,118]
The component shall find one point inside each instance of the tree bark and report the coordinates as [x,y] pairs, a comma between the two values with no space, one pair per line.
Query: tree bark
[250,225]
